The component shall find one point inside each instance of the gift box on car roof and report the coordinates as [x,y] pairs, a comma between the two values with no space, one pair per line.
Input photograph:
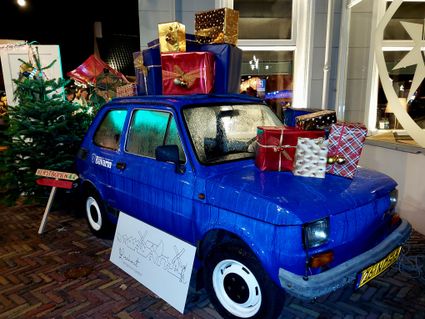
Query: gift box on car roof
[187,73]
[172,37]
[217,26]
[228,65]
[276,146]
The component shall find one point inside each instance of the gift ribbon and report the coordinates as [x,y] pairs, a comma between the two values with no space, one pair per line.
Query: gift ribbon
[279,148]
[338,145]
[180,77]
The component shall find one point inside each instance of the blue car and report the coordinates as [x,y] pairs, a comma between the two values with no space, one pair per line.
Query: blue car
[185,164]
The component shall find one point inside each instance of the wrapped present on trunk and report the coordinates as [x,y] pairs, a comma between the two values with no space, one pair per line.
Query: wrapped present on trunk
[311,157]
[290,113]
[317,120]
[187,73]
[346,141]
[141,72]
[217,26]
[276,146]
[127,90]
[172,37]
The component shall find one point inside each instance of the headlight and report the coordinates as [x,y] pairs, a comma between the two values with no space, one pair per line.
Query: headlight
[316,233]
[393,198]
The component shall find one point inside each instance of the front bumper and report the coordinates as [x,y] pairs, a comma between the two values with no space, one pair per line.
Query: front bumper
[345,273]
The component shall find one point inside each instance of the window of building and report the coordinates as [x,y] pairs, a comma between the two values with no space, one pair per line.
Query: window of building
[110,129]
[396,46]
[267,35]
[150,129]
[268,19]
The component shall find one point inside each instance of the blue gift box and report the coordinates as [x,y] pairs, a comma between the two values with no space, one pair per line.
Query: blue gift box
[228,65]
[290,114]
[152,61]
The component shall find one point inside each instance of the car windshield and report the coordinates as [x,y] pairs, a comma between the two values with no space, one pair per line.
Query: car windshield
[226,132]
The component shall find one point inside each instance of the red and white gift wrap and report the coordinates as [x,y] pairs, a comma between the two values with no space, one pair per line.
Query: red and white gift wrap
[276,146]
[346,142]
[127,90]
[187,73]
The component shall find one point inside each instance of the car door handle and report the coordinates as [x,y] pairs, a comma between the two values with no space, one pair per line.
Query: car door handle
[120,165]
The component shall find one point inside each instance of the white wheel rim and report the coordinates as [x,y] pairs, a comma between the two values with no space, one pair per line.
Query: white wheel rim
[92,208]
[236,288]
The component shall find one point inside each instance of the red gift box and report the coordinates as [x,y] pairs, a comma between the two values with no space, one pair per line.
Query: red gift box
[346,142]
[187,73]
[276,146]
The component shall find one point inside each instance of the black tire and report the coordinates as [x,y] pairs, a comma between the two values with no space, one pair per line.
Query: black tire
[96,216]
[238,286]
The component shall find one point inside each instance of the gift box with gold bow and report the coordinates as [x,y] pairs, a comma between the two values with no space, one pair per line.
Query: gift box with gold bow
[276,146]
[217,26]
[187,73]
[172,37]
[346,141]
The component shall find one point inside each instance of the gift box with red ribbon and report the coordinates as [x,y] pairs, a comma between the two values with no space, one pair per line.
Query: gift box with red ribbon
[276,146]
[187,73]
[346,141]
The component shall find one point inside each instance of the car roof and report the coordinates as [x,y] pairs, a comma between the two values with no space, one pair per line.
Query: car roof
[180,101]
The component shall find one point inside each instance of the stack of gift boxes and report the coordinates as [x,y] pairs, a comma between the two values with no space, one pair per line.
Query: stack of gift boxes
[311,145]
[178,63]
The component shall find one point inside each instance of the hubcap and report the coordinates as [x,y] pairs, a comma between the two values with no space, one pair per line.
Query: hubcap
[93,213]
[236,288]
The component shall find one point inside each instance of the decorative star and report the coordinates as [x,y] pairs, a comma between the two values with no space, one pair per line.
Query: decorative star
[414,56]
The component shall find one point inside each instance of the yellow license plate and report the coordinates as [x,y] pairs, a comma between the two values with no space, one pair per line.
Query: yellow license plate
[371,272]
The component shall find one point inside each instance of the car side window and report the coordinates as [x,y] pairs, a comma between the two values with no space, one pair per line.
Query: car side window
[109,132]
[150,129]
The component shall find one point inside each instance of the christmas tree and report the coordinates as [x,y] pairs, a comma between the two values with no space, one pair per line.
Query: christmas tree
[45,130]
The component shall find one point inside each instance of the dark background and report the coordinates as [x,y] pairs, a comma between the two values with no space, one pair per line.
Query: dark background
[70,25]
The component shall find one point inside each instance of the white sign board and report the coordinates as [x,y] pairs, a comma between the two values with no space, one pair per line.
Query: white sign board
[157,260]
[10,64]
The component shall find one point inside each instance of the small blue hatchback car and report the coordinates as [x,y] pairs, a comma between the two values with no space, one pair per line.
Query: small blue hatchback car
[185,164]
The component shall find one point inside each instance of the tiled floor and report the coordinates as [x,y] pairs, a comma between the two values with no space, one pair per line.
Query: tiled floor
[66,273]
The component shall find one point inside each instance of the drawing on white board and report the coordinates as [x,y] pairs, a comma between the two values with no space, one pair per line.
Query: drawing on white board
[154,252]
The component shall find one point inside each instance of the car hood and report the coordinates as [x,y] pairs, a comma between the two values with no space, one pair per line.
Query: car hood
[284,199]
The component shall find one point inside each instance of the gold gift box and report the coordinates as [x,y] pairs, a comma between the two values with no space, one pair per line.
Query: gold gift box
[172,37]
[217,26]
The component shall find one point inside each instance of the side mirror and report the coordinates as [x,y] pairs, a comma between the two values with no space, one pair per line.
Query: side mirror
[169,153]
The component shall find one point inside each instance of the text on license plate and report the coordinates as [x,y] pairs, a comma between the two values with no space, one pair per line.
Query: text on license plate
[378,268]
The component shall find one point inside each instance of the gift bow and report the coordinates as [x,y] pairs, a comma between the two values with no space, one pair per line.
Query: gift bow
[138,64]
[180,77]
[281,149]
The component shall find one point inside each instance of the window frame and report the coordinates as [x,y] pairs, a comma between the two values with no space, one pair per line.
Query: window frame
[170,118]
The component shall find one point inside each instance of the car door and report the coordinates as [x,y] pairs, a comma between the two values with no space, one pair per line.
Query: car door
[151,190]
[105,151]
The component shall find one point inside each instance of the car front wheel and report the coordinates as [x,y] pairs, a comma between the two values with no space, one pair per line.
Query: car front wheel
[239,287]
